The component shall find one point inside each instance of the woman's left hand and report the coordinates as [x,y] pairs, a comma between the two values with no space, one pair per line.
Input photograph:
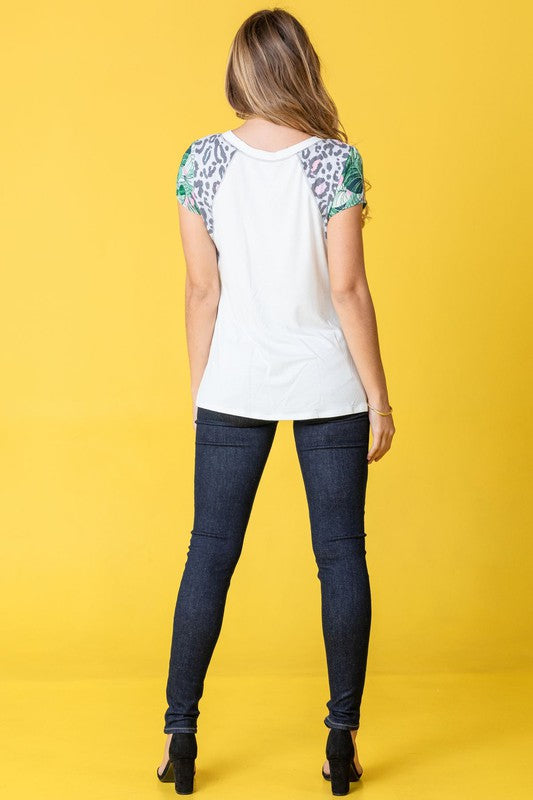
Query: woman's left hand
[382,432]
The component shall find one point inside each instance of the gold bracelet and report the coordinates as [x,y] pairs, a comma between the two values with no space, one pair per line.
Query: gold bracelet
[382,413]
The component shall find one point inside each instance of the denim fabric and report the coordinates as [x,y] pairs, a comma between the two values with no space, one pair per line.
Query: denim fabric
[230,455]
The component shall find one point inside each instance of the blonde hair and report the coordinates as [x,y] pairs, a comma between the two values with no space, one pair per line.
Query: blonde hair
[273,72]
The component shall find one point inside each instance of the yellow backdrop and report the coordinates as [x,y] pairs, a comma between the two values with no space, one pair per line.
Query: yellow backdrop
[101,100]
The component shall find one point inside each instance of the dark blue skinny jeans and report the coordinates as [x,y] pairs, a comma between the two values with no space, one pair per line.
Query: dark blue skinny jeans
[230,455]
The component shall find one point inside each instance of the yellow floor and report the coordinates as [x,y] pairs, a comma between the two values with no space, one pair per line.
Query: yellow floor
[422,736]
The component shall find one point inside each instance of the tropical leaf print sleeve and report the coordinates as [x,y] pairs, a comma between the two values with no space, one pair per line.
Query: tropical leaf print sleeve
[350,190]
[185,181]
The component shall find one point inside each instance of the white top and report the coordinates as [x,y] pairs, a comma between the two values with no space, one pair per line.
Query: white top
[278,350]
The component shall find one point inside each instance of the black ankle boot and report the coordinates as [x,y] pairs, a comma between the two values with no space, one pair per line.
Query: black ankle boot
[340,753]
[182,753]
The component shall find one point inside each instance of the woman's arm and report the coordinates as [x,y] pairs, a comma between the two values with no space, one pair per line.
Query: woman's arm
[202,293]
[353,303]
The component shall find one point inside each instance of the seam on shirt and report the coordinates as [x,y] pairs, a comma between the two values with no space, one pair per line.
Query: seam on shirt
[313,195]
[232,160]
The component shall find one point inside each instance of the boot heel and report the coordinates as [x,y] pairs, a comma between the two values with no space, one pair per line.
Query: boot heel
[183,775]
[340,776]
[182,753]
[340,752]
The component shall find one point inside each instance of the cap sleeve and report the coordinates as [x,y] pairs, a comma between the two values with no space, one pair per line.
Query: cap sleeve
[185,181]
[350,191]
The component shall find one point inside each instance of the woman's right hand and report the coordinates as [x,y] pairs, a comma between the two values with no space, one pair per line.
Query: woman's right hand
[382,432]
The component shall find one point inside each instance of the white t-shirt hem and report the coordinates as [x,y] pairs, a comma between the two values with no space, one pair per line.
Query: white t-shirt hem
[353,408]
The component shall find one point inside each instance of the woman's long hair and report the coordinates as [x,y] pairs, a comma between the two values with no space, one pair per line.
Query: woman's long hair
[273,72]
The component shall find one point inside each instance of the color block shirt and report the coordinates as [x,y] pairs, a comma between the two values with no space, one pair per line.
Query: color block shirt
[278,350]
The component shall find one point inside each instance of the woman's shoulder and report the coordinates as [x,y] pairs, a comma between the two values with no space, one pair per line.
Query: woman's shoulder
[207,152]
[330,157]
[202,167]
[207,138]
[335,148]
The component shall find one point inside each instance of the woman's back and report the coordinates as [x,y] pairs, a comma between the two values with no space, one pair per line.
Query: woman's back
[278,350]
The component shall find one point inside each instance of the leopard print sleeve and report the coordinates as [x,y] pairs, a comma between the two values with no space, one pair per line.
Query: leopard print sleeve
[200,174]
[334,170]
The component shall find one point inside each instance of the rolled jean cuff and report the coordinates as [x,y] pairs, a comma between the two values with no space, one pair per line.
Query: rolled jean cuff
[340,726]
[180,730]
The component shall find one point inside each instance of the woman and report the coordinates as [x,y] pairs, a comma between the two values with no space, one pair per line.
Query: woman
[280,326]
